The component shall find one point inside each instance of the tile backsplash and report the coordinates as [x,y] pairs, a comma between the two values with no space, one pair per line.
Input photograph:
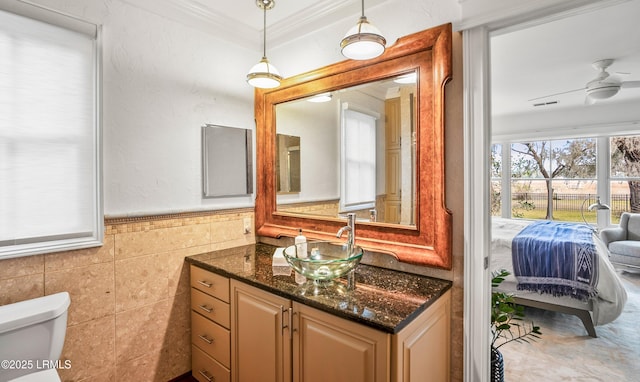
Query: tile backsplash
[129,314]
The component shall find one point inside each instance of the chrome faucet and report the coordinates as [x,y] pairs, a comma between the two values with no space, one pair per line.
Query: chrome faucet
[351,234]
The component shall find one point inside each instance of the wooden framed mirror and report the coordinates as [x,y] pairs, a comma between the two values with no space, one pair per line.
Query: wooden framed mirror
[419,235]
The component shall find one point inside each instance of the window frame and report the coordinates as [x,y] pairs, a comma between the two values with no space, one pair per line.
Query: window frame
[74,240]
[348,108]
[603,161]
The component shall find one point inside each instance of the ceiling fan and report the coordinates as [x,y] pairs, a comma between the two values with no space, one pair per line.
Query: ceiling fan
[602,87]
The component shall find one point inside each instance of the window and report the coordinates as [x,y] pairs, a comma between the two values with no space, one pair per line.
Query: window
[496,179]
[49,132]
[359,164]
[549,179]
[624,175]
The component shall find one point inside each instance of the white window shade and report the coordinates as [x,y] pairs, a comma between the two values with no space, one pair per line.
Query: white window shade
[359,161]
[49,137]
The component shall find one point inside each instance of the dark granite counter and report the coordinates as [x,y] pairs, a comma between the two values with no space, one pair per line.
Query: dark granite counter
[383,299]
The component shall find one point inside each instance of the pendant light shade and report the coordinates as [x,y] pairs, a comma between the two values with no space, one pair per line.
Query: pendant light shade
[264,75]
[363,41]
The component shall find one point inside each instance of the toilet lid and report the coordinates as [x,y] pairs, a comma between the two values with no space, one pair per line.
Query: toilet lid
[48,375]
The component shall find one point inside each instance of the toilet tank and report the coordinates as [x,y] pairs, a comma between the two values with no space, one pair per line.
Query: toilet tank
[32,334]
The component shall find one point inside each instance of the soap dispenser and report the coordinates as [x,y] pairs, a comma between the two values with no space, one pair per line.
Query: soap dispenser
[301,252]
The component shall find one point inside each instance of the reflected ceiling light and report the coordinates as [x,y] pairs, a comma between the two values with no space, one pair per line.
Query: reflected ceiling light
[323,97]
[363,41]
[409,78]
[263,74]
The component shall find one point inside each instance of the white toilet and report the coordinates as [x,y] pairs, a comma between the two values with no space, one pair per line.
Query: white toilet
[31,338]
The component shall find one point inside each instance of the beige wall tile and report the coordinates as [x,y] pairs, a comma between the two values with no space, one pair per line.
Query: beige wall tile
[132,244]
[91,289]
[141,281]
[145,368]
[21,288]
[231,230]
[21,266]
[90,347]
[178,269]
[108,376]
[140,331]
[81,257]
[175,358]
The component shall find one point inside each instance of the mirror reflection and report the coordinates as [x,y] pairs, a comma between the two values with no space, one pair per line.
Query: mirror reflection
[355,152]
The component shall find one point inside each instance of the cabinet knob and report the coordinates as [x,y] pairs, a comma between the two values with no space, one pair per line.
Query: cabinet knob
[205,338]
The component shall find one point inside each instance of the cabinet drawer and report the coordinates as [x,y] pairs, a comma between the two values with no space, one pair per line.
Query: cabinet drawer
[210,307]
[212,338]
[207,369]
[210,283]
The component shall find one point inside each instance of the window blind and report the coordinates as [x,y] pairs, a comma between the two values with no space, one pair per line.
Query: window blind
[50,197]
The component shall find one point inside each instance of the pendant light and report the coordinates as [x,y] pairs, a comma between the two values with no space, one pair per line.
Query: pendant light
[364,41]
[263,74]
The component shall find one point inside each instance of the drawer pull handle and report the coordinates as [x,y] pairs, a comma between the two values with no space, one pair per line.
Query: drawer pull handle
[205,338]
[206,308]
[206,375]
[205,284]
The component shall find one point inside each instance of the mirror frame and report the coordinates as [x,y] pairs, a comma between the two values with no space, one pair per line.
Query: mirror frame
[429,241]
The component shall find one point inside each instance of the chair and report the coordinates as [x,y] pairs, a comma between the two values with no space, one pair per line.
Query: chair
[624,242]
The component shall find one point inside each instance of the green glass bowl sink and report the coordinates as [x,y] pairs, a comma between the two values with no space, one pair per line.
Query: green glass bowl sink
[324,260]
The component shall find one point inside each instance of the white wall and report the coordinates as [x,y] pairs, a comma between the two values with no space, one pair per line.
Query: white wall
[318,128]
[161,82]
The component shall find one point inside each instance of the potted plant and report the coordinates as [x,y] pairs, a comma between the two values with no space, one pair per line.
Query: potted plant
[505,325]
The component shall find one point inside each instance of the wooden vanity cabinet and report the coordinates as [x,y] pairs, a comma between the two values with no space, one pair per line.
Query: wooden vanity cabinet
[210,326]
[261,339]
[330,348]
[277,340]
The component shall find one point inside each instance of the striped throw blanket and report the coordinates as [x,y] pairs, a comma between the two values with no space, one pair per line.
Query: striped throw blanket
[556,258]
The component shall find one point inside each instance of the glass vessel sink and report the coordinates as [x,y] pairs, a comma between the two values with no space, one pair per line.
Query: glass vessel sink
[324,260]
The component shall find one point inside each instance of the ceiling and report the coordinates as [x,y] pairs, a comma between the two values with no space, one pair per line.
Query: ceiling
[556,56]
[546,57]
[241,21]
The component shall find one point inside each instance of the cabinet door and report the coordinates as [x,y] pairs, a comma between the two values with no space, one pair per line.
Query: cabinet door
[261,343]
[421,349]
[329,348]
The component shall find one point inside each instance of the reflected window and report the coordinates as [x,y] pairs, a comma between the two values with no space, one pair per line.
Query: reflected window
[359,163]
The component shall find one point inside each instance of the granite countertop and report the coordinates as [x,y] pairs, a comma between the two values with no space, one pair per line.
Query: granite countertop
[384,299]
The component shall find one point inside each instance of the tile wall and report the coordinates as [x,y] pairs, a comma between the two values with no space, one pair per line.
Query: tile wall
[129,315]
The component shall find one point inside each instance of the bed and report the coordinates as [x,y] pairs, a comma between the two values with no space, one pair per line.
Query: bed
[602,308]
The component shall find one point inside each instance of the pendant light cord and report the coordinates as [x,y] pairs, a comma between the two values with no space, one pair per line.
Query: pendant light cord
[362,8]
[264,31]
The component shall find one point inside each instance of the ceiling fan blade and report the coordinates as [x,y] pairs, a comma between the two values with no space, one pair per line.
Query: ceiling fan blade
[588,100]
[557,94]
[630,84]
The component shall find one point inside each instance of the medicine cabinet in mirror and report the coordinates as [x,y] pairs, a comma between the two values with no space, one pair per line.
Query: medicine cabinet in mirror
[374,147]
[226,161]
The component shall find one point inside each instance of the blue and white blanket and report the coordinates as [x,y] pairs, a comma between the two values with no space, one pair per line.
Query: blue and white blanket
[556,258]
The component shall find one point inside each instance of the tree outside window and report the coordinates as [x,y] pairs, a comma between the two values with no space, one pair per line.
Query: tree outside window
[552,179]
[625,175]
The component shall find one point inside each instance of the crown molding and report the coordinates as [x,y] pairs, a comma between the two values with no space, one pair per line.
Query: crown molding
[199,16]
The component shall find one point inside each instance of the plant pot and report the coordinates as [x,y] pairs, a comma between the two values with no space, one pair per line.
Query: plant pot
[497,366]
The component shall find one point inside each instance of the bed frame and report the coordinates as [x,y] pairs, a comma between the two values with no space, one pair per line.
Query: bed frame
[583,313]
[566,305]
